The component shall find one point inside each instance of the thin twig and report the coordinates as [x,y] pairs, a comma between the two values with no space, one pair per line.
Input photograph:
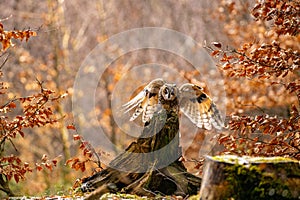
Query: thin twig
[13,145]
[5,60]
[259,108]
[92,149]
[6,18]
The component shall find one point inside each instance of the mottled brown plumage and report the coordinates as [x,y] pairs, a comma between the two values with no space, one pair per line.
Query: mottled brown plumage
[189,98]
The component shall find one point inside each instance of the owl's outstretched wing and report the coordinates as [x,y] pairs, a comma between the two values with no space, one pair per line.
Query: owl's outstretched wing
[199,107]
[145,102]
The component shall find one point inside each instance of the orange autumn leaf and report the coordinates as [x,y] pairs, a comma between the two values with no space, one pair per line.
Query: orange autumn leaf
[72,127]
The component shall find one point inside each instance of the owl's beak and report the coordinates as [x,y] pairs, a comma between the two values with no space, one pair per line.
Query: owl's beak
[169,96]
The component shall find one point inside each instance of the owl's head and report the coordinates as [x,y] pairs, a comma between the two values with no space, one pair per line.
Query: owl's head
[169,92]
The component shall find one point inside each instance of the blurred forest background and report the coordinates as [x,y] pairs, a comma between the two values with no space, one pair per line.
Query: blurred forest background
[68,30]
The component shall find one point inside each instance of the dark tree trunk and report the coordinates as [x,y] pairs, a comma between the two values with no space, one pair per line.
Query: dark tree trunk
[239,178]
[149,166]
[4,186]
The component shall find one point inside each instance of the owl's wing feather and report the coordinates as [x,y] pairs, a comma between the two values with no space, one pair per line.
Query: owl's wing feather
[146,102]
[199,107]
[134,102]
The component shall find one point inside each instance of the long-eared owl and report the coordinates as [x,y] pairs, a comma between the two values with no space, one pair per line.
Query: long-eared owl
[189,98]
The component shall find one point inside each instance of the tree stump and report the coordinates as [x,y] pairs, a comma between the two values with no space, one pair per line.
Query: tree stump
[238,178]
[149,166]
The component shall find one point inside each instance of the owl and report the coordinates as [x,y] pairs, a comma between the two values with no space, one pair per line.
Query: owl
[190,99]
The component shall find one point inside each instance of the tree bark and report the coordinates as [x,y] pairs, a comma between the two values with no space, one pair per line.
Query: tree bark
[4,185]
[231,177]
[149,166]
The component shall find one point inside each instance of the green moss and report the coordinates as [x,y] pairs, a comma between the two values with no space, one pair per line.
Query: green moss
[257,178]
[247,159]
[109,196]
[194,197]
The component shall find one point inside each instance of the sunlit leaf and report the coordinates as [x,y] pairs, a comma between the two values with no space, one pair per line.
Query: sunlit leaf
[72,127]
[76,137]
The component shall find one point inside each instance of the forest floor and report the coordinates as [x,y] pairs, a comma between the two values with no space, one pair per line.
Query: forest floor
[108,196]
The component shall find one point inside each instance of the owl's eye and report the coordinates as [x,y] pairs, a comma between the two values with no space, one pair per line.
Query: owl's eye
[166,90]
[172,92]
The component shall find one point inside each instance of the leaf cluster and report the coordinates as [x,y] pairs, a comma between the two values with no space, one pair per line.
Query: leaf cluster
[283,13]
[18,114]
[7,36]
[264,135]
[274,59]
[258,60]
[87,151]
[36,111]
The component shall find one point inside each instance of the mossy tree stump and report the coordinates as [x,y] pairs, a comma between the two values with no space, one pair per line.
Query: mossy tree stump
[239,178]
[149,166]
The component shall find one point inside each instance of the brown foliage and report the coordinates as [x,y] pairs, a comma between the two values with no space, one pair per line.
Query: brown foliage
[283,13]
[274,60]
[36,110]
[7,36]
[261,73]
[280,137]
[88,152]
[259,60]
